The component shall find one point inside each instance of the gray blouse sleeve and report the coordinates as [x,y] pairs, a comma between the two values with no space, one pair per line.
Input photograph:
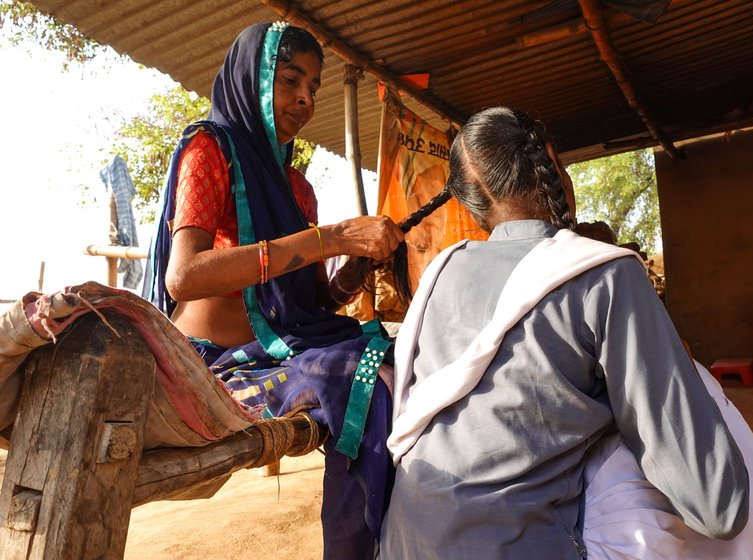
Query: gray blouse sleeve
[661,406]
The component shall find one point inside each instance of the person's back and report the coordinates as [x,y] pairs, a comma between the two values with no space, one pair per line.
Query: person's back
[498,472]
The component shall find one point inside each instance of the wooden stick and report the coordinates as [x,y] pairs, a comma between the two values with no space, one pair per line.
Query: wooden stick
[116,251]
[285,10]
[112,263]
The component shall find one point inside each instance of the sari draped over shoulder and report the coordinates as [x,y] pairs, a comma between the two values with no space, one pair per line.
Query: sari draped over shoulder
[304,355]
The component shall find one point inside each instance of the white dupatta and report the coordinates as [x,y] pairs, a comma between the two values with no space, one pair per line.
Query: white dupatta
[548,265]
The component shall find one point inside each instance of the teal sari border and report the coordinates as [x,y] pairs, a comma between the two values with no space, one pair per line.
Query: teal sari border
[361,390]
[272,344]
[266,89]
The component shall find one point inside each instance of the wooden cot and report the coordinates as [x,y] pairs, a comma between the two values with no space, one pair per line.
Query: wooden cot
[84,449]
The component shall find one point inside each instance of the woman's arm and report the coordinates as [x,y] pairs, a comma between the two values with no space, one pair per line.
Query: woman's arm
[196,270]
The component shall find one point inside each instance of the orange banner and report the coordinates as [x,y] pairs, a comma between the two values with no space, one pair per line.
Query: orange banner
[413,168]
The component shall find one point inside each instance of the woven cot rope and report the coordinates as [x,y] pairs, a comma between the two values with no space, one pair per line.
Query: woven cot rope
[278,435]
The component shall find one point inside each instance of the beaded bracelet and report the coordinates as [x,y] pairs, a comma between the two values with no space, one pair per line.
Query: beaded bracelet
[263,262]
[319,235]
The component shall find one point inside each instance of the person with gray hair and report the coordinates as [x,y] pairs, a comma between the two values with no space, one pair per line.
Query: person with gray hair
[520,354]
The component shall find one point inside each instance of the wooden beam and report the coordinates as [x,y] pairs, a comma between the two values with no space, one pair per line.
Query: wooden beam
[286,10]
[639,142]
[112,262]
[116,251]
[552,34]
[594,16]
[351,76]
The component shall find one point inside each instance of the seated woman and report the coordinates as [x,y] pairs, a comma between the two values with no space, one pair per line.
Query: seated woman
[238,266]
[520,354]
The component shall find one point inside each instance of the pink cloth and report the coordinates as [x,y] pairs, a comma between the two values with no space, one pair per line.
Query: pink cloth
[190,407]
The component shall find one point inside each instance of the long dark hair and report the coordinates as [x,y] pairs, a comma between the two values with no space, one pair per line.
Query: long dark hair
[297,40]
[500,153]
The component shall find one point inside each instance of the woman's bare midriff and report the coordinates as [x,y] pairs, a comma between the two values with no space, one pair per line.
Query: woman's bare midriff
[221,320]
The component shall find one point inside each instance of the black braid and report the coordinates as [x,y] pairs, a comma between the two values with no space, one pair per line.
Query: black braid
[400,258]
[414,219]
[548,180]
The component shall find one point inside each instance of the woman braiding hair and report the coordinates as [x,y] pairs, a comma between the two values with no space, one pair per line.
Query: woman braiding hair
[499,153]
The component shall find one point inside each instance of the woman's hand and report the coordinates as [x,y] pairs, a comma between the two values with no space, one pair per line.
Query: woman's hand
[375,237]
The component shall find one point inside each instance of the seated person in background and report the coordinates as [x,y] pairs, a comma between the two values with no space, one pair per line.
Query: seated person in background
[238,266]
[519,355]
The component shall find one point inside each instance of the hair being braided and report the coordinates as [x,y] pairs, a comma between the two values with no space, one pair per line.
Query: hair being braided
[548,180]
[400,258]
[499,154]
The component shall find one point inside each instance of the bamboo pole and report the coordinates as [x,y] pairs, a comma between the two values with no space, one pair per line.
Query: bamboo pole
[351,76]
[112,262]
[40,282]
[285,10]
[116,251]
[594,16]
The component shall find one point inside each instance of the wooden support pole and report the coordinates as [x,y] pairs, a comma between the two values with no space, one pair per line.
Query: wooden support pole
[40,282]
[351,77]
[286,10]
[594,16]
[112,262]
[116,251]
[76,445]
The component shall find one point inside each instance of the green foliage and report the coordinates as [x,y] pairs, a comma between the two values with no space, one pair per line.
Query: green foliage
[303,151]
[147,141]
[621,191]
[29,23]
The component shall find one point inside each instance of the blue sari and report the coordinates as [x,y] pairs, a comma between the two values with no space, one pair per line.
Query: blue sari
[303,355]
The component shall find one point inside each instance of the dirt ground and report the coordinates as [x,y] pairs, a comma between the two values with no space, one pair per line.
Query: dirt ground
[252,516]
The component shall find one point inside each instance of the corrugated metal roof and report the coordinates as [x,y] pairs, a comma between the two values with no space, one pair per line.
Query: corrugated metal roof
[693,69]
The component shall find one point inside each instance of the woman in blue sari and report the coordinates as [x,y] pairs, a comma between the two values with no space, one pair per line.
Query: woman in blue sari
[237,265]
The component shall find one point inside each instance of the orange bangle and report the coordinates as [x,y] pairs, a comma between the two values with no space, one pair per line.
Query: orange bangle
[319,235]
[263,262]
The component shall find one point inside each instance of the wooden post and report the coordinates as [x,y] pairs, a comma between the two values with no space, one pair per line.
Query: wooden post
[112,263]
[41,276]
[76,445]
[352,140]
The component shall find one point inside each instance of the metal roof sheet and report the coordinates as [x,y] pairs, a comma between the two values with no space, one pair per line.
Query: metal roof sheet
[693,68]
